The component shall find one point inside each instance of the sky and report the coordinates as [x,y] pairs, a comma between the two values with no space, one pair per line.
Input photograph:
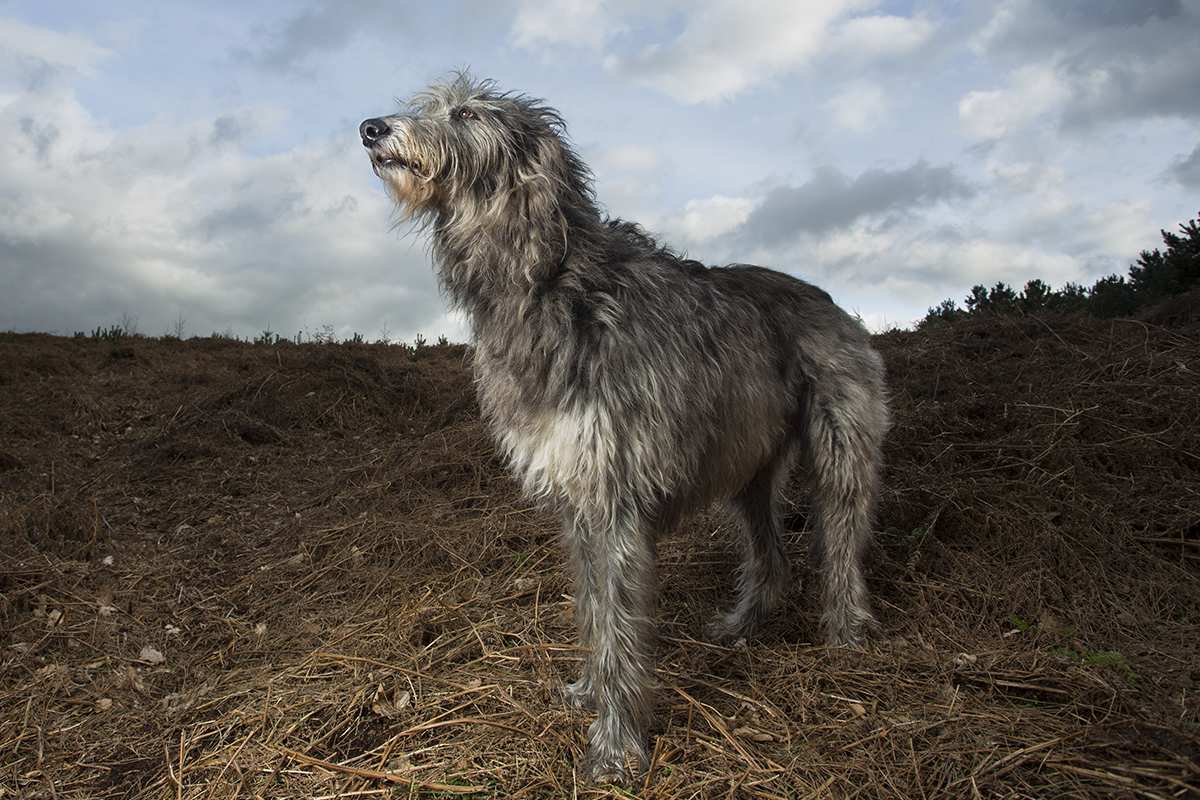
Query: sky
[198,164]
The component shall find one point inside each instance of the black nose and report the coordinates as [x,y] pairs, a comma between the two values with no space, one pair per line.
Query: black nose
[372,130]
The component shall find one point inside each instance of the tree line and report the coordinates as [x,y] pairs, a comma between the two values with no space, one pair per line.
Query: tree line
[1155,276]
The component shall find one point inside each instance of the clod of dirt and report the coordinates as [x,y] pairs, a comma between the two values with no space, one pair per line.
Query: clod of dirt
[149,655]
[259,433]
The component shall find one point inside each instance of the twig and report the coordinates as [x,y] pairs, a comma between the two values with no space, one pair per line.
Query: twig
[376,775]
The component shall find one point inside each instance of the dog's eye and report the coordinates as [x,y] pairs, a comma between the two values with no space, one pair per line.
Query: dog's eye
[466,113]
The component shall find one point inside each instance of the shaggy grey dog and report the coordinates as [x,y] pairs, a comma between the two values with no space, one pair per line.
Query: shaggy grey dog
[628,386]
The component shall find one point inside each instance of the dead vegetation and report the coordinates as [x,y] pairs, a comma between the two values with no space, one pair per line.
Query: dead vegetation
[230,570]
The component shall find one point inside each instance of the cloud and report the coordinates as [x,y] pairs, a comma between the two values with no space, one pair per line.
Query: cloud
[627,158]
[880,37]
[1030,27]
[858,107]
[1185,170]
[22,42]
[125,186]
[915,267]
[1087,62]
[326,27]
[1121,227]
[1032,91]
[905,269]
[958,264]
[831,200]
[723,50]
[707,219]
[178,218]
[582,23]
[322,28]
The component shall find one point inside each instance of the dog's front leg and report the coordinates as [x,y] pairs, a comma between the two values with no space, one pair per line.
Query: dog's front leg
[622,665]
[584,569]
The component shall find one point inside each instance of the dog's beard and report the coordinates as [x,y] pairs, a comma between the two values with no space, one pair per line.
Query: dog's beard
[410,192]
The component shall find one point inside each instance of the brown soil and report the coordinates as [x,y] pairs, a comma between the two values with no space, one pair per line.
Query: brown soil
[230,570]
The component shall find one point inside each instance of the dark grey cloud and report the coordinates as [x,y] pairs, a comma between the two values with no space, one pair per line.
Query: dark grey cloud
[322,28]
[241,218]
[329,26]
[1110,13]
[42,135]
[1041,26]
[226,129]
[1162,84]
[1118,59]
[831,200]
[1185,170]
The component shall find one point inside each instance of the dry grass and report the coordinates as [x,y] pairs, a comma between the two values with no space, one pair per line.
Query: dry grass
[238,571]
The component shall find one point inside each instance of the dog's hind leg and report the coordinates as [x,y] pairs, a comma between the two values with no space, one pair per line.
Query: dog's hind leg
[847,421]
[622,645]
[765,573]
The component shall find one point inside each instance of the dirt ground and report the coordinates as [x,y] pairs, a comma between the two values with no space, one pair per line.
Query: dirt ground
[236,570]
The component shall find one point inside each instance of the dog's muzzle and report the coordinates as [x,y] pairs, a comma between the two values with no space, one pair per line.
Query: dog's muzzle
[373,130]
[374,133]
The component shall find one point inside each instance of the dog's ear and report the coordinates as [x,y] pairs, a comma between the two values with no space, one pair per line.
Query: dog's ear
[540,224]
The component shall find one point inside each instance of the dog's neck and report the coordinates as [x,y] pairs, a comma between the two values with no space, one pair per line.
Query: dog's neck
[502,250]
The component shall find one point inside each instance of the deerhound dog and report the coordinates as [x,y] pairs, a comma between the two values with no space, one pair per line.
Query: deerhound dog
[628,386]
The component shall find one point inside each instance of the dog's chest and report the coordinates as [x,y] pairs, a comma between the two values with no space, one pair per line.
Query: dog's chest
[556,453]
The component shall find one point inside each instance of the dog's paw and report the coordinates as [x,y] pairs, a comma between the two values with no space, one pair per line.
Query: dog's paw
[609,756]
[580,695]
[610,770]
[852,630]
[728,630]
[610,767]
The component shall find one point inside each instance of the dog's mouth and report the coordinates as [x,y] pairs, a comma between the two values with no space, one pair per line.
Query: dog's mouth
[388,161]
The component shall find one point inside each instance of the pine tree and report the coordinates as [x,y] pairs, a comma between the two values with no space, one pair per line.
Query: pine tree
[1002,298]
[978,299]
[1071,297]
[946,311]
[1158,274]
[1035,296]
[1111,297]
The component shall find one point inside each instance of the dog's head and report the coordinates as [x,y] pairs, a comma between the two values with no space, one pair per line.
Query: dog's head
[463,143]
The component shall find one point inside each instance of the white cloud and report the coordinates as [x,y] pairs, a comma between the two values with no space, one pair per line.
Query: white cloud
[984,260]
[858,107]
[627,158]
[167,219]
[706,219]
[1005,16]
[725,49]
[1043,188]
[880,36]
[1125,227]
[1031,92]
[862,242]
[926,265]
[583,23]
[19,40]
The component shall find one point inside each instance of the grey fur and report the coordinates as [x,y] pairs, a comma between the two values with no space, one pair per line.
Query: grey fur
[628,386]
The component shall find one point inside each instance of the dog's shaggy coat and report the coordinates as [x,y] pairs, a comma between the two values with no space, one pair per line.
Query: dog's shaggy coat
[628,386]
